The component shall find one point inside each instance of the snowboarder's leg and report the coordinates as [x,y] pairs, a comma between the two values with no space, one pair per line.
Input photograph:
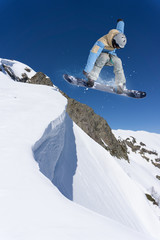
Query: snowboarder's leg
[120,79]
[99,64]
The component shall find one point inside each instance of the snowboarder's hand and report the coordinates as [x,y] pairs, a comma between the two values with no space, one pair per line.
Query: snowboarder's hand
[120,19]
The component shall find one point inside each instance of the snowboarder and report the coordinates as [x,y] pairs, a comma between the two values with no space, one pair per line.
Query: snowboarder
[103,54]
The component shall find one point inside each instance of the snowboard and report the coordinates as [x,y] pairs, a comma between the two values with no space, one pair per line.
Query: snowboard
[102,87]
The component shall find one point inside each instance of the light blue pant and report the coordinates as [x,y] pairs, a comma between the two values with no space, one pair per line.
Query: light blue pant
[106,59]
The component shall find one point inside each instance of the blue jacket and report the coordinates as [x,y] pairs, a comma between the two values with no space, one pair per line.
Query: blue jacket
[104,44]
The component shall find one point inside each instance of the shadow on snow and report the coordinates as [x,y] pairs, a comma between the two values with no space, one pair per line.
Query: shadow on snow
[56,155]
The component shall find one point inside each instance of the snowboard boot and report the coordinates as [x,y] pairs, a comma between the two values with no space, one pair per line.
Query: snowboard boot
[90,82]
[119,89]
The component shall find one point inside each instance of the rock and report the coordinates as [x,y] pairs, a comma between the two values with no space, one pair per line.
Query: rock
[96,127]
[142,144]
[150,198]
[143,150]
[40,78]
[24,77]
[156,164]
[10,72]
[158,177]
[27,69]
[132,145]
[157,159]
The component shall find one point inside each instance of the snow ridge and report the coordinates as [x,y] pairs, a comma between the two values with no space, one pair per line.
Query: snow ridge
[56,154]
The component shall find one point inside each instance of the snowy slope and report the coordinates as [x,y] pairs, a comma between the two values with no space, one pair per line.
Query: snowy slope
[103,186]
[16,67]
[143,171]
[33,118]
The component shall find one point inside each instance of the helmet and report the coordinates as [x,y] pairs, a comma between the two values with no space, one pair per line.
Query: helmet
[120,40]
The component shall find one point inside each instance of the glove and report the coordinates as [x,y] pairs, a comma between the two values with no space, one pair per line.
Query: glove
[119,20]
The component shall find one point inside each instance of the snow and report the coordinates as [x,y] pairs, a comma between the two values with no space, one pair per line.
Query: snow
[140,170]
[34,123]
[56,154]
[152,140]
[18,68]
[110,191]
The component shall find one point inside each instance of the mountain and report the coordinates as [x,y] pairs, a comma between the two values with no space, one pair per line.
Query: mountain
[94,182]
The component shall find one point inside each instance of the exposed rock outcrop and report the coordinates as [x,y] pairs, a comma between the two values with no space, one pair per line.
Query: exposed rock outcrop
[10,72]
[96,127]
[40,78]
[149,155]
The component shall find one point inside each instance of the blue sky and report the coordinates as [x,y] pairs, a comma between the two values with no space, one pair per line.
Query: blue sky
[55,37]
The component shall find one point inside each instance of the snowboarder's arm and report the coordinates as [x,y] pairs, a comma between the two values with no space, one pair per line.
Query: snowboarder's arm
[94,54]
[120,25]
